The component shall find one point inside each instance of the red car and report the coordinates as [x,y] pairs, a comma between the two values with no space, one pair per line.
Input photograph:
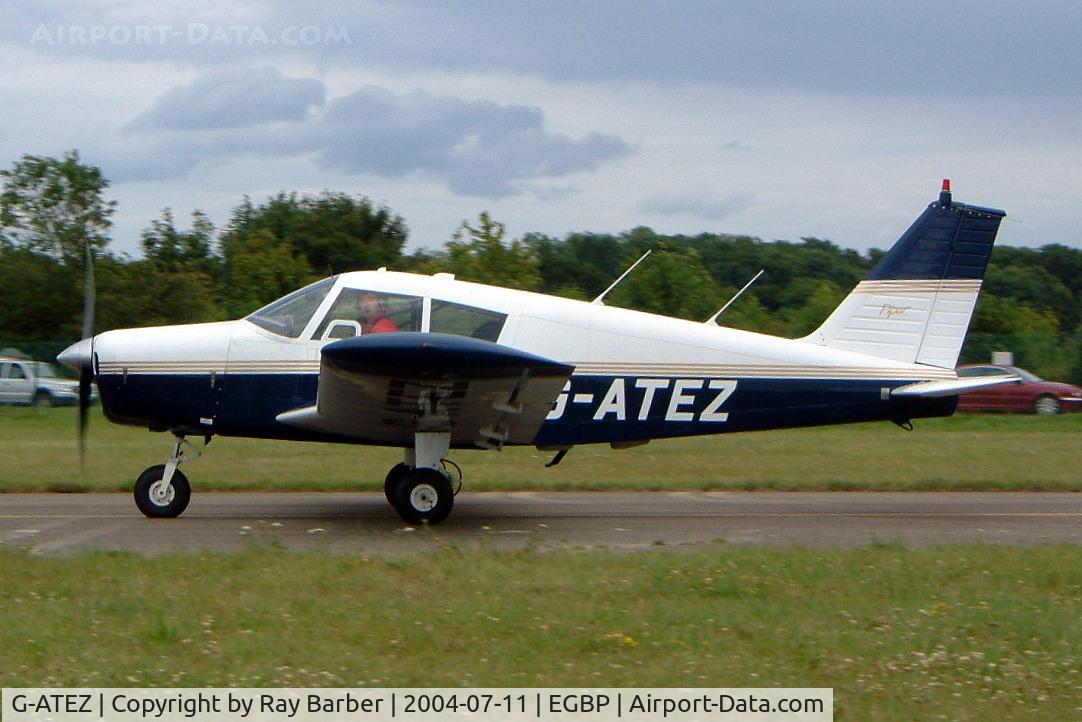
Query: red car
[1032,395]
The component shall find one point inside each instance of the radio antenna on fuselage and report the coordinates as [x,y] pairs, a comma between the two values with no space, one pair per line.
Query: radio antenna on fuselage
[622,277]
[714,318]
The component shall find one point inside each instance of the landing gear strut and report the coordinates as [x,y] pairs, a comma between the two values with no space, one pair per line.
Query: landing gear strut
[420,488]
[163,490]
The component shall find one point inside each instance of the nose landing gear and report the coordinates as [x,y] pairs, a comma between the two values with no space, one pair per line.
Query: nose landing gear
[163,491]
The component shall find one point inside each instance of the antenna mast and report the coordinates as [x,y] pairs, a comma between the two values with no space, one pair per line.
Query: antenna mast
[714,318]
[623,275]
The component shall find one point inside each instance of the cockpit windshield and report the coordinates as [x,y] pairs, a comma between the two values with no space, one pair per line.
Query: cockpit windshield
[290,314]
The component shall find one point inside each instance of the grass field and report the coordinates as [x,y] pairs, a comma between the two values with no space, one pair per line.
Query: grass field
[960,633]
[975,452]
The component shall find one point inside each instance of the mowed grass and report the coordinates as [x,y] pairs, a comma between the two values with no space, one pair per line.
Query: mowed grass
[961,633]
[38,452]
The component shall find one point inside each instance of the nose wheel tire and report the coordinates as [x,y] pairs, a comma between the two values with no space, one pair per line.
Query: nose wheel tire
[157,500]
[423,496]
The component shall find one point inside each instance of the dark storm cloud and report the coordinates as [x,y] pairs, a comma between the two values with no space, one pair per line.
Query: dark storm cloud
[922,46]
[477,147]
[851,45]
[481,147]
[233,99]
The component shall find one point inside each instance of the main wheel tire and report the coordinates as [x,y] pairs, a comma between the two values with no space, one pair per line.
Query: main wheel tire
[1046,405]
[152,503]
[391,482]
[43,399]
[423,496]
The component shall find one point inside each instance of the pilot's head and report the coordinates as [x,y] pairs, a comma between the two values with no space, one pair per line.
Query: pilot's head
[372,307]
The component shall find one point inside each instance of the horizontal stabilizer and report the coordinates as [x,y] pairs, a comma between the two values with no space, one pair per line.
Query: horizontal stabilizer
[952,387]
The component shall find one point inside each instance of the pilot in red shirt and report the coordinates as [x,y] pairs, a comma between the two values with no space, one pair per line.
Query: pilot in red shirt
[374,315]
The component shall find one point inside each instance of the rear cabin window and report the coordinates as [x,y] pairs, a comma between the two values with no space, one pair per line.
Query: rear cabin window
[459,320]
[290,314]
[372,312]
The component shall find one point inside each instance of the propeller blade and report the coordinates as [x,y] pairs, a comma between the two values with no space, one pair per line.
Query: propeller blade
[86,371]
[86,377]
[88,296]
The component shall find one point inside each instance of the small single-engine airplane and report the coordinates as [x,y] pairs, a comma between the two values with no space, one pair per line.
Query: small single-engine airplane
[429,364]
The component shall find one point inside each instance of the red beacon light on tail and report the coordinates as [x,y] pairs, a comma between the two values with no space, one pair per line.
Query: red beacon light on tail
[945,193]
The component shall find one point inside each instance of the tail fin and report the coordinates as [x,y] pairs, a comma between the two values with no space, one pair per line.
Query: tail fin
[916,304]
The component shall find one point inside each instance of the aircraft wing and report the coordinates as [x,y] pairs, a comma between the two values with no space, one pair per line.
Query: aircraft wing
[384,388]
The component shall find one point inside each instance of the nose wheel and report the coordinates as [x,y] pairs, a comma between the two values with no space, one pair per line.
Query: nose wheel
[158,498]
[163,491]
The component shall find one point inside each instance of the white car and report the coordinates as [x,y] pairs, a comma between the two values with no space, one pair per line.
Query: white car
[36,383]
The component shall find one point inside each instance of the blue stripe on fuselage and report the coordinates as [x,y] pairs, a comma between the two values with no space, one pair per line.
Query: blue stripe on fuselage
[594,408]
[694,406]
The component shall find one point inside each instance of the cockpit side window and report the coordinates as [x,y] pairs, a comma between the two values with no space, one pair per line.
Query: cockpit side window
[290,314]
[459,320]
[372,312]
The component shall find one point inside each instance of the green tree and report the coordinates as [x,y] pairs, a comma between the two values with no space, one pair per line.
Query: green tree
[172,249]
[39,298]
[258,269]
[480,253]
[1007,316]
[749,314]
[1075,374]
[143,293]
[581,265]
[670,283]
[819,305]
[1034,287]
[56,207]
[334,232]
[1066,264]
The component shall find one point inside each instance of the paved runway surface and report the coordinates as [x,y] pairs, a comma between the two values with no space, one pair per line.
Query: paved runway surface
[364,523]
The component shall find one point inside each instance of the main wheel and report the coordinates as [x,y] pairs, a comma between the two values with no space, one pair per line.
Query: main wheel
[423,496]
[157,501]
[391,482]
[1046,405]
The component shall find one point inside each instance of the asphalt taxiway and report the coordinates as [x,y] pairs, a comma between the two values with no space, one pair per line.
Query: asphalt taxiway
[363,523]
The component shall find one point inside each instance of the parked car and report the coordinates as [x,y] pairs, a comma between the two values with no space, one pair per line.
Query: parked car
[1032,395]
[35,383]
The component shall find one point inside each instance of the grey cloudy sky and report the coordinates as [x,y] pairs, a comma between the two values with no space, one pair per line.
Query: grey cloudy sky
[776,119]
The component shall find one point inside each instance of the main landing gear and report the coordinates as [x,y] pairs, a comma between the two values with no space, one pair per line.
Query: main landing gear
[163,490]
[421,489]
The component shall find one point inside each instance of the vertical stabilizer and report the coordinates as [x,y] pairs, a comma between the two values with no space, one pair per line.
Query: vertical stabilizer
[917,303]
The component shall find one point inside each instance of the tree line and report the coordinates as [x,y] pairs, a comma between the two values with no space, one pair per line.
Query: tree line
[52,209]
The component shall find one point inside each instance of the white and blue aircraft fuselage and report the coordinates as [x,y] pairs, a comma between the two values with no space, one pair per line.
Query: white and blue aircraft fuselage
[431,363]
